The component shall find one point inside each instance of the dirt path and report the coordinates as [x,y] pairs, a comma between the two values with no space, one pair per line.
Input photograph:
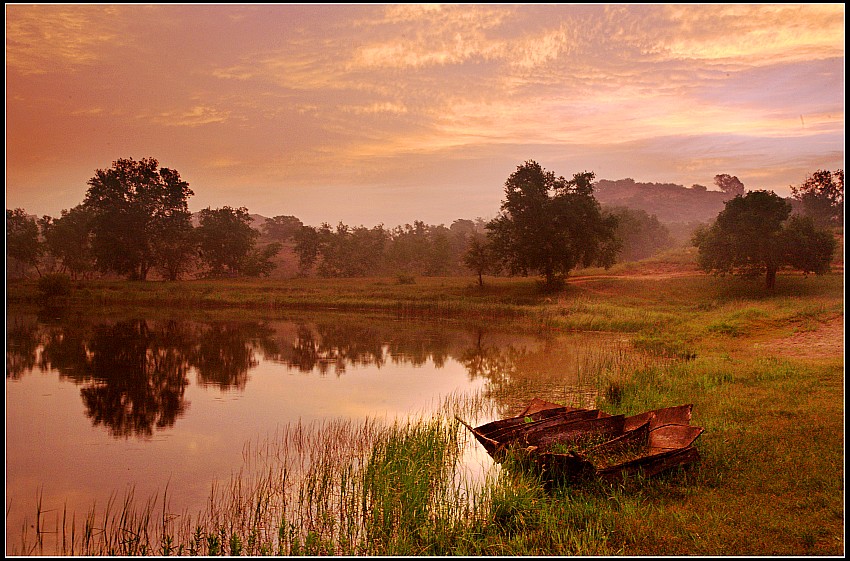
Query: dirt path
[825,341]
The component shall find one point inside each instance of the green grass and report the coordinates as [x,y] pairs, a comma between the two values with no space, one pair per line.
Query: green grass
[770,479]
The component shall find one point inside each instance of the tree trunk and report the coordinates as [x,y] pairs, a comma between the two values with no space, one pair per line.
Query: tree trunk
[770,279]
[480,280]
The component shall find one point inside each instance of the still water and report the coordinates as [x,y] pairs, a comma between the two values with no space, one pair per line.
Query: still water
[99,407]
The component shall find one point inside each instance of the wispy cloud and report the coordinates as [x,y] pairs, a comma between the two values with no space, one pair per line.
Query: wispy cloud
[282,97]
[193,117]
[42,39]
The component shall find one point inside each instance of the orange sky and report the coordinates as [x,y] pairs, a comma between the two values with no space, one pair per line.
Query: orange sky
[373,114]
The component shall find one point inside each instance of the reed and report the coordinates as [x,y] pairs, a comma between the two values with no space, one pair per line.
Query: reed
[769,482]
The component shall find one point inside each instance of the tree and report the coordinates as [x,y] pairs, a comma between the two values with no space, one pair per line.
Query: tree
[306,248]
[282,228]
[68,239]
[136,208]
[343,251]
[479,257]
[729,184]
[642,235]
[822,197]
[549,225]
[259,263]
[225,239]
[174,245]
[752,236]
[22,241]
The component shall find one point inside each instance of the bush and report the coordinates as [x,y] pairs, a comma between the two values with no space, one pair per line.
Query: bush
[54,285]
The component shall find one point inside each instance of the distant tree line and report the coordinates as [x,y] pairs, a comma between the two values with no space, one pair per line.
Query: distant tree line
[413,249]
[135,220]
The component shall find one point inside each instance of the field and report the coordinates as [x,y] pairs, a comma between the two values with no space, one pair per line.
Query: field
[765,372]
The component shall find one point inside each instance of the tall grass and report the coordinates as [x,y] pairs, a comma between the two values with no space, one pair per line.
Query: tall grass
[770,480]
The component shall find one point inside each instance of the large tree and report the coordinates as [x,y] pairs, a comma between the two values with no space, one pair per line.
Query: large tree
[549,225]
[753,236]
[137,209]
[225,240]
[822,197]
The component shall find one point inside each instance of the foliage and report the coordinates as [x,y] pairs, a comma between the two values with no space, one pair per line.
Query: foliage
[350,251]
[282,228]
[136,209]
[549,225]
[729,184]
[808,248]
[306,247]
[54,285]
[413,249]
[752,236]
[479,257]
[225,240]
[69,240]
[22,242]
[174,246]
[642,235]
[822,197]
[258,262]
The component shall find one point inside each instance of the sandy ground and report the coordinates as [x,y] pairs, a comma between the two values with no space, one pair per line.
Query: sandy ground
[825,341]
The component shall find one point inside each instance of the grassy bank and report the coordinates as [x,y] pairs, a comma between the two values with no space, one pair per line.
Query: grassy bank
[763,370]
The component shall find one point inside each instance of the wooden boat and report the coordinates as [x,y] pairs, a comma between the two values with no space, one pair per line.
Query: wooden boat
[572,443]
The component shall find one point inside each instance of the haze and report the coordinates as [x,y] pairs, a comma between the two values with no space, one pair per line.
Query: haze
[373,114]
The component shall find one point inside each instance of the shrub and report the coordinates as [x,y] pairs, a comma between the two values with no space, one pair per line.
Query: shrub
[54,285]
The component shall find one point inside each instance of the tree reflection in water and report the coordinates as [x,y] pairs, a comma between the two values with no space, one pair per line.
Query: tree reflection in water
[22,342]
[135,372]
[224,353]
[139,377]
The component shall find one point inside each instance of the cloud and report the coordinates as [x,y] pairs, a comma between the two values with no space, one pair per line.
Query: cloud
[294,96]
[42,39]
[195,116]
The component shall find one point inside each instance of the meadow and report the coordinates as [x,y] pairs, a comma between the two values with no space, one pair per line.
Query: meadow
[764,370]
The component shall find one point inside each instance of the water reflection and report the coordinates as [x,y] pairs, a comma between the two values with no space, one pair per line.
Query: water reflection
[134,373]
[325,347]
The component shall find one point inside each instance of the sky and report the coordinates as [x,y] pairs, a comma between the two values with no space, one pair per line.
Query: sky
[389,113]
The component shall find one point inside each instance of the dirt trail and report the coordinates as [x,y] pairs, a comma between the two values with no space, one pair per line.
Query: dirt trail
[825,341]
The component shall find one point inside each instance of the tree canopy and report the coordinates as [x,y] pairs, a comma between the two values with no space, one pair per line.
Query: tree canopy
[22,242]
[822,197]
[137,208]
[642,235]
[68,239]
[225,240]
[549,226]
[753,236]
[729,184]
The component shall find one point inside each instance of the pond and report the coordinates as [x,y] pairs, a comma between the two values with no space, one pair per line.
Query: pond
[99,407]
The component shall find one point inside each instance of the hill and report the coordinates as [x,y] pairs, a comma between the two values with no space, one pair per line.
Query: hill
[669,202]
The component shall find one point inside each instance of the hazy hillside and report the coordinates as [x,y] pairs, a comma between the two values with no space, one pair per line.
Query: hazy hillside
[671,203]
